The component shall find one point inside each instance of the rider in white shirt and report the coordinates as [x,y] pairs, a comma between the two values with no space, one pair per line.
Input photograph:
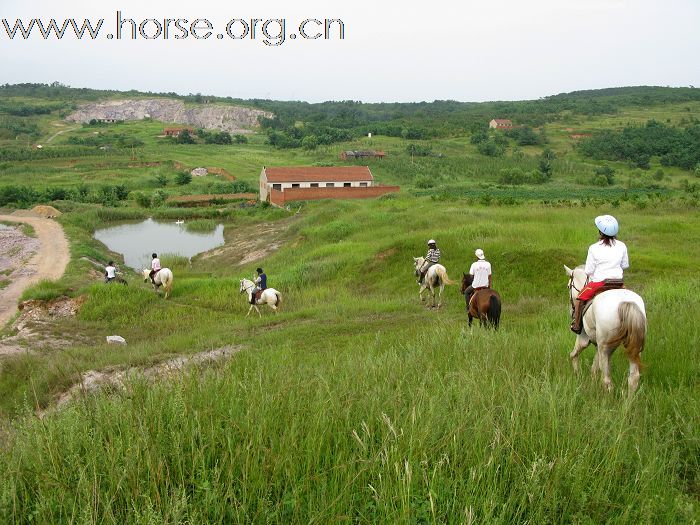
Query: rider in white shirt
[607,259]
[110,272]
[481,270]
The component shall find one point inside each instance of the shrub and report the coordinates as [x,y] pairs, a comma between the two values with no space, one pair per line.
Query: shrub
[143,200]
[183,178]
[424,182]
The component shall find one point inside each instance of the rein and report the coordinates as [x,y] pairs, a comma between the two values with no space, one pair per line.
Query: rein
[571,286]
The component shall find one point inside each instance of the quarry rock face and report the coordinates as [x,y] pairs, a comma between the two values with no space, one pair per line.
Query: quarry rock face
[234,119]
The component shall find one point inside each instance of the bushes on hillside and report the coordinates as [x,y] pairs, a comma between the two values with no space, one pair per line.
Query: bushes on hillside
[637,144]
[25,196]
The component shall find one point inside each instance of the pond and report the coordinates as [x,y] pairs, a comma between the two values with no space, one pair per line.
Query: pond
[136,242]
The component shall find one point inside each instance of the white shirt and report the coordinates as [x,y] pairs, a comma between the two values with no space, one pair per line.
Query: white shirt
[155,264]
[481,271]
[111,272]
[606,262]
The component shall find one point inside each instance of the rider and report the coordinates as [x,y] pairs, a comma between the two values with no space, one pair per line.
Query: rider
[481,270]
[110,272]
[260,284]
[432,257]
[155,267]
[606,259]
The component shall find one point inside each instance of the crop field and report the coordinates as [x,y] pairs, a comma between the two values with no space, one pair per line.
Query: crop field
[356,403]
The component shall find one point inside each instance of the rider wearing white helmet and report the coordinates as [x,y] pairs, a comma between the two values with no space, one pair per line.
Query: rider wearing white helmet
[432,257]
[607,259]
[481,270]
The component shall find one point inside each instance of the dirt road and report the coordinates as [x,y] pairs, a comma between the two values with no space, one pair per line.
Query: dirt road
[49,262]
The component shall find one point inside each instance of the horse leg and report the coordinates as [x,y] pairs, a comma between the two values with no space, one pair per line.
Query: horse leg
[579,345]
[257,310]
[633,379]
[470,320]
[442,289]
[604,361]
[249,310]
[596,364]
[420,292]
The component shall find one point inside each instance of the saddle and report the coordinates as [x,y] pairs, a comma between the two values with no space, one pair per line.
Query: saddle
[471,299]
[609,284]
[258,294]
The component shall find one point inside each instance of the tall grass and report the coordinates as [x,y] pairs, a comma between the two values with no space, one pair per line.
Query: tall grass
[356,404]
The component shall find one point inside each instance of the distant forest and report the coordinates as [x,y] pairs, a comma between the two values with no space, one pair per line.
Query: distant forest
[330,122]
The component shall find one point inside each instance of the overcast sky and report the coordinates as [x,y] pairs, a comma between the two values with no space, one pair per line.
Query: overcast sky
[464,50]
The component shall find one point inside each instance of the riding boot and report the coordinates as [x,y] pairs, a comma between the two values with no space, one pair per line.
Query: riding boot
[576,324]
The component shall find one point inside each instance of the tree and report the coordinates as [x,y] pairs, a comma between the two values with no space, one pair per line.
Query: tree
[184,138]
[183,178]
[161,180]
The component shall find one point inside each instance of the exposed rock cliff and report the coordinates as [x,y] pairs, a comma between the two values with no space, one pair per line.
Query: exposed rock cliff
[234,119]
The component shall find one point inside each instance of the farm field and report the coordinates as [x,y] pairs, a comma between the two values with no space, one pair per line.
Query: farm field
[356,403]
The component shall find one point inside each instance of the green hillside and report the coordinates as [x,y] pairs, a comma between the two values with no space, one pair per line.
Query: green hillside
[356,404]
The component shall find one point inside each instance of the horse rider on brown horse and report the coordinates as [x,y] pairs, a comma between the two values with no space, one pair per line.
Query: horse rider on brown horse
[481,270]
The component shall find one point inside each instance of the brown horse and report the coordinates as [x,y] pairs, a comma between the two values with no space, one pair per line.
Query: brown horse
[485,304]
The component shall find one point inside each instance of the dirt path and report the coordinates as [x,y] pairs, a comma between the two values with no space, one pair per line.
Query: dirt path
[60,133]
[49,262]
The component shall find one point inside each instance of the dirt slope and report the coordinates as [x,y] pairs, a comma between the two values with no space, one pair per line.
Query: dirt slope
[49,262]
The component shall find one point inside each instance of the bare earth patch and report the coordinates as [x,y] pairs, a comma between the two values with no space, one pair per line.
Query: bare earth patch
[40,325]
[248,244]
[95,380]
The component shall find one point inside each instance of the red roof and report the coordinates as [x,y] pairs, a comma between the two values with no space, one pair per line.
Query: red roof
[319,174]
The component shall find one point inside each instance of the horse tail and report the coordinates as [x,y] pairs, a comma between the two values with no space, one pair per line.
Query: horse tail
[168,284]
[279,299]
[442,273]
[632,331]
[494,314]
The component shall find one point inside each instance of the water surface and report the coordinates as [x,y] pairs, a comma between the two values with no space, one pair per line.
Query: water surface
[137,241]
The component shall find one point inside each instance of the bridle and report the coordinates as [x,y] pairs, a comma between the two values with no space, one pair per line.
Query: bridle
[246,288]
[572,286]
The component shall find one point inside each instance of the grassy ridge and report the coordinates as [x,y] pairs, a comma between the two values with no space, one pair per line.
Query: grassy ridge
[356,404]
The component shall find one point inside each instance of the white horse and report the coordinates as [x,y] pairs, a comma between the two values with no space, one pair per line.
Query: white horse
[270,297]
[435,277]
[614,317]
[163,278]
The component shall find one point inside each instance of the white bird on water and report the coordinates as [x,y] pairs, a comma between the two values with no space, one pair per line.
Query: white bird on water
[179,221]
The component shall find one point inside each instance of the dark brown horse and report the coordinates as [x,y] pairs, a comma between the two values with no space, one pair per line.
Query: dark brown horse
[485,304]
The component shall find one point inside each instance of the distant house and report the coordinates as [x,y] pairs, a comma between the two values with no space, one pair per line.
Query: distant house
[577,136]
[280,185]
[500,123]
[175,132]
[353,155]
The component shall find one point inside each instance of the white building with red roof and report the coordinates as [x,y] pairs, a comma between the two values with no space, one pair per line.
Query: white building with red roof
[500,123]
[284,178]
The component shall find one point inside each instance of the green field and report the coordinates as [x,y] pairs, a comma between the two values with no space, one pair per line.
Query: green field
[356,404]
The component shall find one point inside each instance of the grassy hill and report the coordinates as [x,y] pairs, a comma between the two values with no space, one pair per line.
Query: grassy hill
[356,403]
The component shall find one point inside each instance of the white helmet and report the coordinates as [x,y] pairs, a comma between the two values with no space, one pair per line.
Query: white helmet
[479,254]
[431,241]
[607,224]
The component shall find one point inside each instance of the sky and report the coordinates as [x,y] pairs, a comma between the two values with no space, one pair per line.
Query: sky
[405,51]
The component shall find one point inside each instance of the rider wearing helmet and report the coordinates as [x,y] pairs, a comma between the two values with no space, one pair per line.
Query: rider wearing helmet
[260,284]
[432,257]
[606,259]
[481,270]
